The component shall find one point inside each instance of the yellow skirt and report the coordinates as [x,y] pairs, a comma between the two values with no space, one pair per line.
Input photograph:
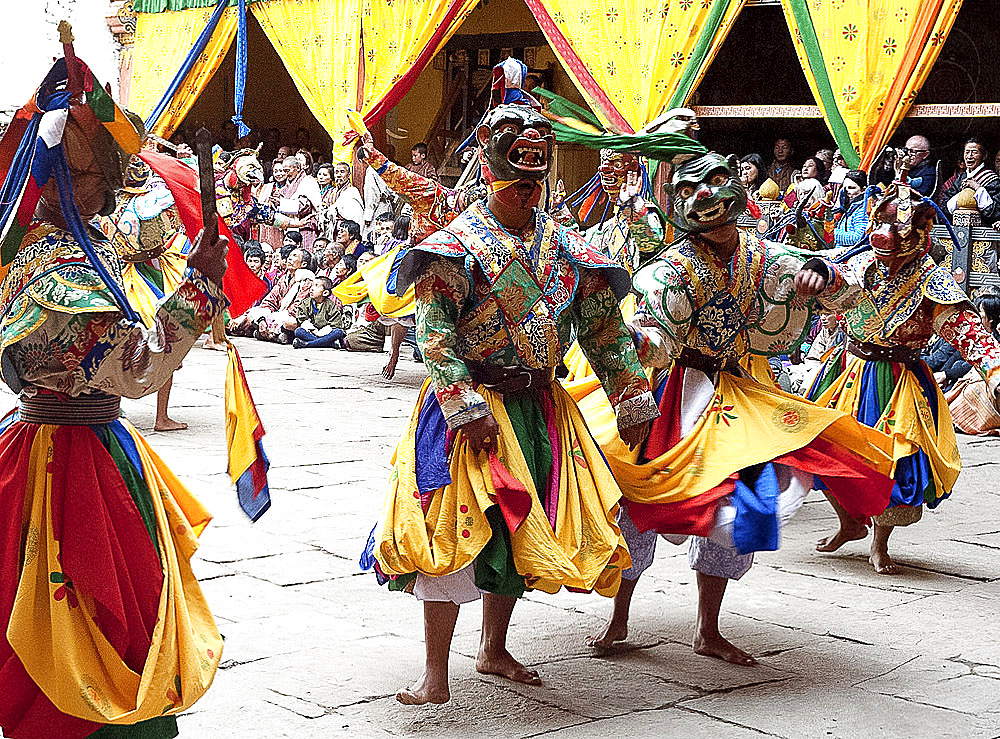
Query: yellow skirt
[85,550]
[906,420]
[583,550]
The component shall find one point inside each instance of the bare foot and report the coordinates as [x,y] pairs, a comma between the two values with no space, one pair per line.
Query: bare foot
[613,632]
[883,563]
[851,531]
[212,346]
[719,647]
[169,424]
[424,691]
[506,666]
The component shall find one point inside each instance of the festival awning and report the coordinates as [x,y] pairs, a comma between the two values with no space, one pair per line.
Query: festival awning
[633,59]
[162,42]
[866,61]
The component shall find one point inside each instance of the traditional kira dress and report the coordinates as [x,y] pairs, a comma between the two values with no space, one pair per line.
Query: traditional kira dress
[102,620]
[881,380]
[540,511]
[731,457]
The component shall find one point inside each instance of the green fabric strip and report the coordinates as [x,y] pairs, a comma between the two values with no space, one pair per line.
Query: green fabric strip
[495,570]
[134,481]
[162,727]
[885,384]
[152,274]
[158,6]
[698,54]
[817,65]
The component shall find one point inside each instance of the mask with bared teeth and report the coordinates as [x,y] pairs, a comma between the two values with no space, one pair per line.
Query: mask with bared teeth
[706,193]
[515,145]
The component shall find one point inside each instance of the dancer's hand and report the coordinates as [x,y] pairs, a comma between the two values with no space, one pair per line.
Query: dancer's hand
[558,195]
[482,434]
[633,436]
[209,258]
[631,187]
[809,282]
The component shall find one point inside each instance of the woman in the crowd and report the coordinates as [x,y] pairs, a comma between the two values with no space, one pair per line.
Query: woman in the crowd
[813,168]
[752,172]
[853,225]
[969,402]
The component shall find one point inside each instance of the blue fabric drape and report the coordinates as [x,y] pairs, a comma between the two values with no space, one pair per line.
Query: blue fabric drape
[189,61]
[241,69]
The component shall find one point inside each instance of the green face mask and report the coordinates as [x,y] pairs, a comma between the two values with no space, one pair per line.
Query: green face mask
[706,193]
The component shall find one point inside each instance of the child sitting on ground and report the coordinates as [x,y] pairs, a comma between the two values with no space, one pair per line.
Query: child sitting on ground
[322,319]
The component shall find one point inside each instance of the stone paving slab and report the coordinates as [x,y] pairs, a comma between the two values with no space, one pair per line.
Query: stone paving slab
[314,648]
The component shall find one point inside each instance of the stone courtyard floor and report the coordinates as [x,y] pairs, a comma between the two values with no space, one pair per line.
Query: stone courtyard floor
[313,648]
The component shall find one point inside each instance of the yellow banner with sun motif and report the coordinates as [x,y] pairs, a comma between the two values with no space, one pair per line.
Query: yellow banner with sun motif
[633,59]
[865,61]
[162,41]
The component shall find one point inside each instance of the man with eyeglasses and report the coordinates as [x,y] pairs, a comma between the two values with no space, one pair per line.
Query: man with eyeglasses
[923,172]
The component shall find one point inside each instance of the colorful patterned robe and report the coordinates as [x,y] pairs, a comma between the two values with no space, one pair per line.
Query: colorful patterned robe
[101,618]
[902,400]
[489,300]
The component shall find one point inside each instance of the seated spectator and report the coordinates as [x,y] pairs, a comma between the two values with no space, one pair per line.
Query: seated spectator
[982,182]
[278,325]
[246,324]
[400,233]
[322,320]
[381,233]
[348,236]
[946,363]
[853,224]
[752,173]
[971,404]
[781,168]
[830,335]
[814,168]
[368,333]
[276,267]
[420,164]
[253,255]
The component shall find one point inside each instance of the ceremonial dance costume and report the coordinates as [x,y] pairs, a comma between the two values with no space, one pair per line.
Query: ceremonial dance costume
[101,619]
[730,458]
[494,314]
[148,235]
[902,300]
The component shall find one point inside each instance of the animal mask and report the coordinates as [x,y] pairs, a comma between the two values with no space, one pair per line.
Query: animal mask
[515,144]
[613,169]
[706,193]
[899,228]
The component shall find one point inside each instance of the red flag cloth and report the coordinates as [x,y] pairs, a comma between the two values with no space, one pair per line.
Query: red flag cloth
[241,286]
[513,498]
[105,552]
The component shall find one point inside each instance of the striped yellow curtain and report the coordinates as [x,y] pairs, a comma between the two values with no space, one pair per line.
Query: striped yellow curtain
[318,43]
[400,38]
[633,59]
[866,61]
[162,41]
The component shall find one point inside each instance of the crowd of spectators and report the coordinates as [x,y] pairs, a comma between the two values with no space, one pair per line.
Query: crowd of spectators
[332,230]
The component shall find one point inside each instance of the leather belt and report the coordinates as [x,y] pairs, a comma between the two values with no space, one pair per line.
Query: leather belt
[510,379]
[875,353]
[696,360]
[59,410]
